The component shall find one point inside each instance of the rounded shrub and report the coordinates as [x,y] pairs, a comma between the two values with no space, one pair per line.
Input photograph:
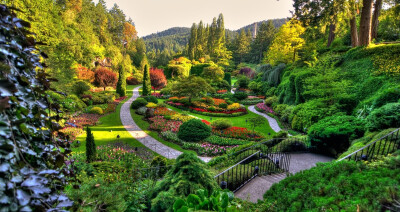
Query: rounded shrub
[332,135]
[151,99]
[221,124]
[149,113]
[384,117]
[96,110]
[240,95]
[81,87]
[194,130]
[141,111]
[223,105]
[139,102]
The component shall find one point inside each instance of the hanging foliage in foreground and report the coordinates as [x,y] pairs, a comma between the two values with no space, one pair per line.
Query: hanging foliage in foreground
[30,175]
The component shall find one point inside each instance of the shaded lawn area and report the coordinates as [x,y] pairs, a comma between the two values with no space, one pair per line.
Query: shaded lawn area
[144,125]
[239,121]
[110,122]
[233,80]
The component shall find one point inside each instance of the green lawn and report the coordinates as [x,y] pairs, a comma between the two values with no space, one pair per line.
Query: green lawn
[110,126]
[239,121]
[144,125]
[234,79]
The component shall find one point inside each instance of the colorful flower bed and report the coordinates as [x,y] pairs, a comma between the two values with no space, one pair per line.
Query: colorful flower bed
[217,140]
[213,150]
[262,107]
[159,123]
[163,111]
[251,101]
[222,91]
[208,112]
[71,132]
[239,133]
[84,119]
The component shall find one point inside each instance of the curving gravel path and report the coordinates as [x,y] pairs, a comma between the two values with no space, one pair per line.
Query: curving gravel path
[142,136]
[272,122]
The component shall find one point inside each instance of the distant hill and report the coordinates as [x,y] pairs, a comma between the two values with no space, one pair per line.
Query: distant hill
[176,38]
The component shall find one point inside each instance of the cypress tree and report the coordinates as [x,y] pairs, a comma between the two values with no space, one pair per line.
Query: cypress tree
[121,85]
[146,81]
[90,146]
[228,78]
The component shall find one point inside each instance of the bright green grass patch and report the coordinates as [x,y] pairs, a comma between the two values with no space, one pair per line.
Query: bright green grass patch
[144,125]
[239,121]
[110,122]
[234,79]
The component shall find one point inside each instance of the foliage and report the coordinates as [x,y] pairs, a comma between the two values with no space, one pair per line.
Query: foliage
[157,78]
[141,111]
[238,133]
[151,105]
[104,77]
[251,101]
[191,87]
[316,189]
[384,117]
[218,201]
[146,82]
[31,159]
[152,99]
[334,133]
[121,84]
[248,72]
[273,75]
[256,121]
[194,130]
[90,146]
[221,124]
[240,95]
[188,175]
[233,106]
[81,87]
[132,81]
[159,123]
[96,110]
[181,117]
[213,73]
[228,78]
[242,82]
[139,102]
[288,40]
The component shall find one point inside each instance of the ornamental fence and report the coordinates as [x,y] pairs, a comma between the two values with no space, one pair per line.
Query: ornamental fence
[381,147]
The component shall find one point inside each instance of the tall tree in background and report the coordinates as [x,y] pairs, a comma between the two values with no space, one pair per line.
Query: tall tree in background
[353,23]
[243,44]
[146,90]
[90,146]
[264,38]
[129,33]
[121,85]
[192,46]
[375,18]
[365,23]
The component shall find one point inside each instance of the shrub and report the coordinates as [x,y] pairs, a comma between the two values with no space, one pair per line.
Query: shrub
[234,106]
[194,130]
[332,134]
[81,87]
[90,146]
[212,108]
[243,82]
[208,100]
[139,102]
[240,95]
[187,175]
[271,101]
[388,96]
[223,105]
[384,117]
[104,77]
[247,72]
[151,99]
[151,105]
[221,124]
[181,117]
[281,134]
[149,113]
[96,110]
[141,111]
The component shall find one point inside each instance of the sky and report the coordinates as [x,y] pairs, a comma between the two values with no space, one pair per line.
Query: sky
[152,16]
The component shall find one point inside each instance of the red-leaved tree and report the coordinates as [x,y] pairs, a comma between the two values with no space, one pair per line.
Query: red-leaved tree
[157,78]
[84,73]
[104,77]
[248,72]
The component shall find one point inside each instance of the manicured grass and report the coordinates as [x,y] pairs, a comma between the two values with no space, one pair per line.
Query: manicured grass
[239,121]
[110,126]
[144,125]
[233,80]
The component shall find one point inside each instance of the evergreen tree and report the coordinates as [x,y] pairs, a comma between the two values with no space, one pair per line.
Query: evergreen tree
[121,85]
[264,38]
[193,42]
[228,78]
[90,146]
[146,82]
[243,45]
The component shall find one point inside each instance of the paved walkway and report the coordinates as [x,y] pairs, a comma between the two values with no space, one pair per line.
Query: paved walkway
[256,188]
[272,122]
[142,136]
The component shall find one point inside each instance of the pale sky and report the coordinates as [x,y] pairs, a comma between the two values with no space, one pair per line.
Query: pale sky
[151,16]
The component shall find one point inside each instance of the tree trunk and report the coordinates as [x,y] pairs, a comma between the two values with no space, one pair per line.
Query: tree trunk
[354,32]
[365,23]
[375,18]
[332,29]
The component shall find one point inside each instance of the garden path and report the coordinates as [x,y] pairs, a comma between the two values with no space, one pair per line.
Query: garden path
[255,189]
[272,122]
[142,136]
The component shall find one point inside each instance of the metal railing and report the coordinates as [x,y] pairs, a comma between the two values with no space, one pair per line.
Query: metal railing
[265,158]
[380,147]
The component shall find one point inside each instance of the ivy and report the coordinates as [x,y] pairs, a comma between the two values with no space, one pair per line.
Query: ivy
[32,169]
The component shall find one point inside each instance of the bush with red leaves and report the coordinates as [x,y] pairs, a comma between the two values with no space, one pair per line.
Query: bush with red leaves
[104,77]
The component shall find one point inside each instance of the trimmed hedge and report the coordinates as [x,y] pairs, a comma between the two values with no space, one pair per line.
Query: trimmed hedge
[138,103]
[194,130]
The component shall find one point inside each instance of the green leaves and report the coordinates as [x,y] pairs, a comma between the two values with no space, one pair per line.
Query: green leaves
[219,201]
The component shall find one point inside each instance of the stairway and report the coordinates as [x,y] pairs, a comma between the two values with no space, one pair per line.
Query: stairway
[255,189]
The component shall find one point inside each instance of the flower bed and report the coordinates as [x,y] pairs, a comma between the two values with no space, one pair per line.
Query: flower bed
[159,123]
[239,133]
[263,108]
[202,111]
[222,91]
[163,111]
[224,141]
[252,101]
[71,132]
[84,119]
